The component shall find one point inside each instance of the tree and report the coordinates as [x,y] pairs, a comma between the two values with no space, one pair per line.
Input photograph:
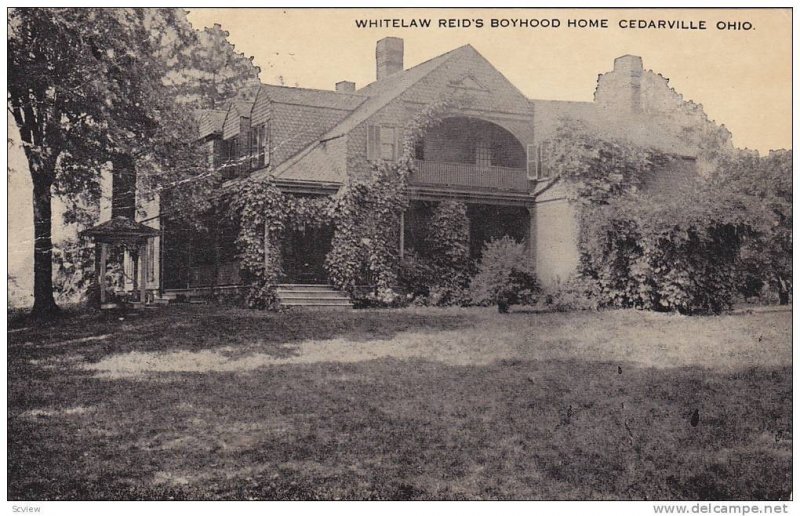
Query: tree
[67,82]
[212,72]
[88,87]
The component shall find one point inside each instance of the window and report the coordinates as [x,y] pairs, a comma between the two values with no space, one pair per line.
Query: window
[483,154]
[543,169]
[382,142]
[388,143]
[263,146]
[419,150]
[259,146]
[252,146]
[533,161]
[537,166]
[228,158]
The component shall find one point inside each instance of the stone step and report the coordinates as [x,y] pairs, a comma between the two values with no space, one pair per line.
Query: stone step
[305,288]
[312,295]
[317,302]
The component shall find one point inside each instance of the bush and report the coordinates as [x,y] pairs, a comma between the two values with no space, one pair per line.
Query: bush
[415,275]
[662,255]
[571,295]
[440,276]
[505,275]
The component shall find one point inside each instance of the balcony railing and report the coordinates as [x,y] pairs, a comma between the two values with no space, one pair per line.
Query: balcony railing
[467,175]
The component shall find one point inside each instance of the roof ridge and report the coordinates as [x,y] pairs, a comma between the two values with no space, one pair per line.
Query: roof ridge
[336,92]
[440,56]
[336,132]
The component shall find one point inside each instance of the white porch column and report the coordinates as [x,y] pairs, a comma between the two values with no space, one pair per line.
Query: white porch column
[532,234]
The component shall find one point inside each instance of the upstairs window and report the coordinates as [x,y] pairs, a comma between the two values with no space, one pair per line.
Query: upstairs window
[533,161]
[543,169]
[419,150]
[382,142]
[537,161]
[483,154]
[259,146]
[229,157]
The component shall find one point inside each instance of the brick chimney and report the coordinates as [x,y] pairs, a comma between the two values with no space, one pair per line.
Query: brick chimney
[388,57]
[629,69]
[346,86]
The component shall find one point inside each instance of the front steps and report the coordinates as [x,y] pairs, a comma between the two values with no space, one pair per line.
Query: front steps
[313,296]
[293,295]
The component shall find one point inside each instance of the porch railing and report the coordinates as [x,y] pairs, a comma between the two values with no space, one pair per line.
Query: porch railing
[469,176]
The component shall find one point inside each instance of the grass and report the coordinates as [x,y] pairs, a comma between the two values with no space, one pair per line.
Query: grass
[200,402]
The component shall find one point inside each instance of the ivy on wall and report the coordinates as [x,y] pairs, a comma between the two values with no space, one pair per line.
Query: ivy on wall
[448,247]
[365,214]
[265,215]
[639,250]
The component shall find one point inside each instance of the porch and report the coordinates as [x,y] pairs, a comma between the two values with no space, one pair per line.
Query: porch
[469,176]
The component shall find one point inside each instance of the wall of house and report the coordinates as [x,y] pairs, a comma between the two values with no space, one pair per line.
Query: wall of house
[556,237]
[455,140]
[498,102]
[673,176]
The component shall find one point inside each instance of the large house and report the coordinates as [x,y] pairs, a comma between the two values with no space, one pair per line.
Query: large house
[485,153]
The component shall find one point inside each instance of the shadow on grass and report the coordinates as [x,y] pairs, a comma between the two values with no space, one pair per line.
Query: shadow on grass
[404,429]
[93,335]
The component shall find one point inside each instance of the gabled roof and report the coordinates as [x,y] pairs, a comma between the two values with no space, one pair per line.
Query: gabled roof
[243,107]
[312,98]
[120,229]
[378,94]
[210,121]
[389,88]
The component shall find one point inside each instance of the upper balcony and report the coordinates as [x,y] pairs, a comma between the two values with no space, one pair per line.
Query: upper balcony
[463,153]
[470,176]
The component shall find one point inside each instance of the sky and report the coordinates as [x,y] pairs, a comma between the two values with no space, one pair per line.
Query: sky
[741,77]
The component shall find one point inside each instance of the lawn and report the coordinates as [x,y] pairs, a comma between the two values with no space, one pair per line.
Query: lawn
[203,402]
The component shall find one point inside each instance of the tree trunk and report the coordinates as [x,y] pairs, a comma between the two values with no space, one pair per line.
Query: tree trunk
[783,292]
[43,302]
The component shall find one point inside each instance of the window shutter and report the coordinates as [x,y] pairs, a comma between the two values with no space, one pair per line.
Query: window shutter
[266,143]
[397,149]
[373,142]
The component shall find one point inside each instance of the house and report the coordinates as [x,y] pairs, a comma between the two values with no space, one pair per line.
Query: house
[486,153]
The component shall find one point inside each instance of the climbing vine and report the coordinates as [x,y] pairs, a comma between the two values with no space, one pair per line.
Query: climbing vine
[365,247]
[265,214]
[365,214]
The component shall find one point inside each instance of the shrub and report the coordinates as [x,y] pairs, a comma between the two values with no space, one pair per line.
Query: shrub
[505,275]
[415,275]
[662,255]
[571,295]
